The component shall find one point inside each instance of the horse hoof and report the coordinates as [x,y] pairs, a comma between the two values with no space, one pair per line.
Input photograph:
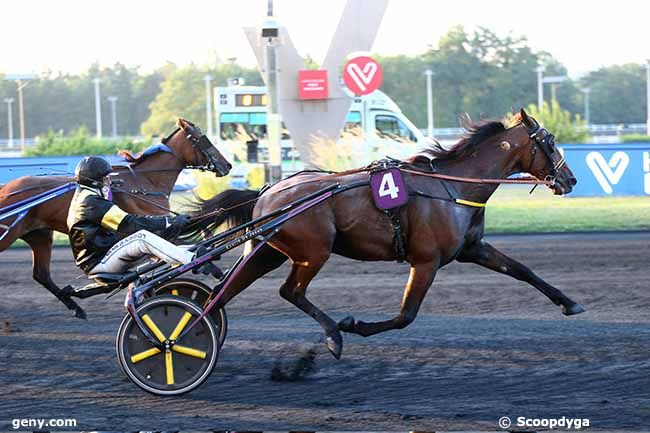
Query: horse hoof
[347,324]
[572,309]
[335,345]
[80,313]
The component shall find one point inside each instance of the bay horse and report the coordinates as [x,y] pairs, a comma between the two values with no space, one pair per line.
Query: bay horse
[143,188]
[437,229]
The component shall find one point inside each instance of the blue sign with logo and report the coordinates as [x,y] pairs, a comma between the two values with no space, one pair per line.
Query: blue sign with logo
[609,169]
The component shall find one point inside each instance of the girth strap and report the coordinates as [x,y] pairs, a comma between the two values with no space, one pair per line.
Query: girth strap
[399,239]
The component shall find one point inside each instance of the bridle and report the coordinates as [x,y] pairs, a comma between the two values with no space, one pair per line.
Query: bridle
[544,140]
[201,143]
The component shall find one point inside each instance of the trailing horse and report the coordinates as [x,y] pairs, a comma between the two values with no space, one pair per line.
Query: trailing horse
[144,188]
[443,221]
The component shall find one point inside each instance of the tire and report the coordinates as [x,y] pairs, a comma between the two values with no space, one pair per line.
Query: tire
[190,361]
[197,292]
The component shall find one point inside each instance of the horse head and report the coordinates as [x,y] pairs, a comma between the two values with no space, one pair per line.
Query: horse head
[539,156]
[196,150]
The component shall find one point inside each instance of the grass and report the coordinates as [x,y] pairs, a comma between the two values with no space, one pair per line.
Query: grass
[513,210]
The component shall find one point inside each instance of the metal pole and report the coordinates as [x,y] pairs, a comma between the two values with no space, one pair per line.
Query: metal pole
[586,92]
[273,122]
[429,74]
[113,100]
[208,105]
[10,122]
[98,109]
[553,92]
[540,86]
[21,114]
[647,126]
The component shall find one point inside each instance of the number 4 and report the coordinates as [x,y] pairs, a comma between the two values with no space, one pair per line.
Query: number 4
[388,187]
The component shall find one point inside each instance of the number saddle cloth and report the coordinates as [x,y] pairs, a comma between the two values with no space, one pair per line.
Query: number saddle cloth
[390,195]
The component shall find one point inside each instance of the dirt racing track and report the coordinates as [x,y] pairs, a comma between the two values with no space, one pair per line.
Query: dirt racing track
[483,346]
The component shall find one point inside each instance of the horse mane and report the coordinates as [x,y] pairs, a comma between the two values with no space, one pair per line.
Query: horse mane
[475,134]
[141,156]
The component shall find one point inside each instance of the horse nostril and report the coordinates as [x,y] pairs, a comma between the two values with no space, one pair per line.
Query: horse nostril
[229,166]
[573,181]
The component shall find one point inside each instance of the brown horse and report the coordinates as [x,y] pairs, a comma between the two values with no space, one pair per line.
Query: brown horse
[437,229]
[148,181]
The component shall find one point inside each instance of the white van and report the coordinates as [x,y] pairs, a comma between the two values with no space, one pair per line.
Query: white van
[241,130]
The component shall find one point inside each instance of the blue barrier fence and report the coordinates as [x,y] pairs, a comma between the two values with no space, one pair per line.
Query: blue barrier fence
[609,169]
[601,169]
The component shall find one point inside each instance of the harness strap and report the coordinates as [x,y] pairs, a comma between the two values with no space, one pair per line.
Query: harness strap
[399,239]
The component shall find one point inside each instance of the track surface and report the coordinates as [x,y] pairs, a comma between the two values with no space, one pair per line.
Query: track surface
[483,346]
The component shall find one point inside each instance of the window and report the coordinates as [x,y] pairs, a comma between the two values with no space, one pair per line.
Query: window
[245,127]
[392,128]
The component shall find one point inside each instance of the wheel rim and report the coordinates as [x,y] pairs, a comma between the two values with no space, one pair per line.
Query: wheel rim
[197,292]
[184,365]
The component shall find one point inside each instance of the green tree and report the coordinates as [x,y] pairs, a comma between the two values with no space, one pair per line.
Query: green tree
[183,95]
[617,94]
[79,142]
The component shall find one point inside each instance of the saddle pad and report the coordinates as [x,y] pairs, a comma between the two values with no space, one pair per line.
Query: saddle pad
[388,189]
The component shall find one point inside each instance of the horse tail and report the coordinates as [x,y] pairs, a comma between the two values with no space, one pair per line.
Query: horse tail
[232,206]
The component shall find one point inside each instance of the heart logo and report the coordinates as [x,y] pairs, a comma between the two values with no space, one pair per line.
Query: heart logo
[608,173]
[362,77]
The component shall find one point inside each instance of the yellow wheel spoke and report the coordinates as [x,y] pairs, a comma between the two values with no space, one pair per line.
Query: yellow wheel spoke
[154,328]
[144,355]
[189,351]
[175,292]
[169,367]
[180,326]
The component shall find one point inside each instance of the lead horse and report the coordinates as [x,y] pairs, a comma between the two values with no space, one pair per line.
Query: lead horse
[144,188]
[443,221]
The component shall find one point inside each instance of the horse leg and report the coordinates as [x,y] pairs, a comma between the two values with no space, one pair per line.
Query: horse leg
[484,254]
[420,279]
[262,262]
[293,290]
[40,241]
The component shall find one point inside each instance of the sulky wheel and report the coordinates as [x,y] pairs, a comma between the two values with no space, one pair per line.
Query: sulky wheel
[198,292]
[177,367]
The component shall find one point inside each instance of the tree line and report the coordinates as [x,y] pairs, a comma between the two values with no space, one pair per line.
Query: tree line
[480,72]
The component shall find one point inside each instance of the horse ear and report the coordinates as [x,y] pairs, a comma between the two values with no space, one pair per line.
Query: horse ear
[181,123]
[525,119]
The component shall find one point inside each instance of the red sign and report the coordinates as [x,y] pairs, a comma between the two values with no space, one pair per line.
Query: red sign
[312,84]
[362,75]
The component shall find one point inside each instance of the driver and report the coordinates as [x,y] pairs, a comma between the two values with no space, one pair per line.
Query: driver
[96,226]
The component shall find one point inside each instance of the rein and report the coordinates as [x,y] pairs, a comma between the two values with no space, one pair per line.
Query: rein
[523,181]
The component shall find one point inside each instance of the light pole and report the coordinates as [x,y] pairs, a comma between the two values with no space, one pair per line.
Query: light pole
[586,91]
[271,31]
[113,101]
[647,77]
[540,86]
[10,122]
[98,109]
[208,105]
[22,82]
[429,74]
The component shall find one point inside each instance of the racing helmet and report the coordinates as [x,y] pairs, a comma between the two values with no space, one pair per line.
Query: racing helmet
[91,171]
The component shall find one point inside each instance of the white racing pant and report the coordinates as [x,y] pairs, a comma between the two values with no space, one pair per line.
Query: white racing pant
[137,246]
